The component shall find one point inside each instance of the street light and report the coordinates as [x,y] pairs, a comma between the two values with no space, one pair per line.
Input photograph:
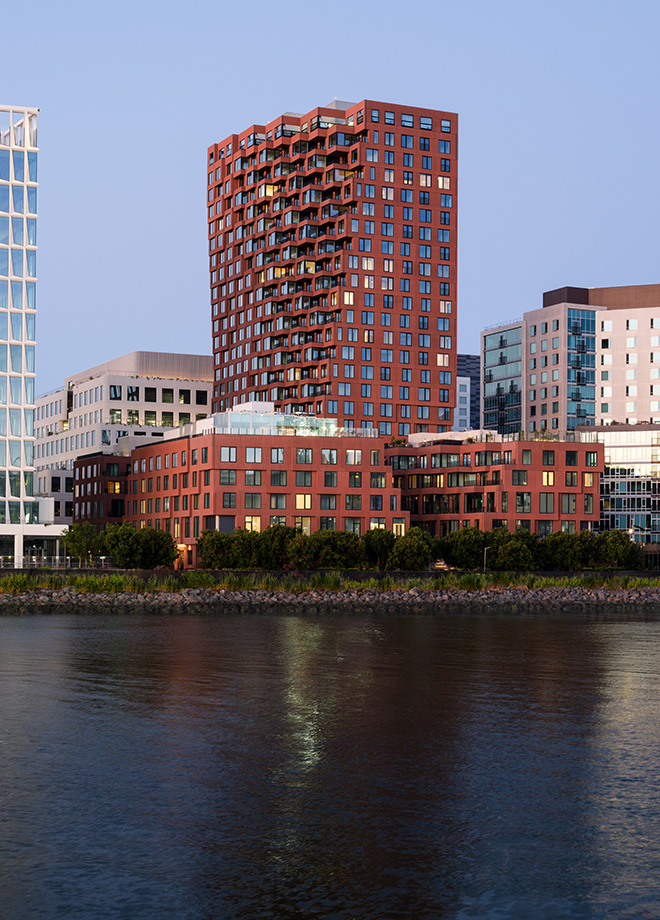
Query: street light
[486,548]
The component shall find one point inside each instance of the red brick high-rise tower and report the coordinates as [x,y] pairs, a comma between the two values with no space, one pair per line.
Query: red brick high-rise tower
[332,245]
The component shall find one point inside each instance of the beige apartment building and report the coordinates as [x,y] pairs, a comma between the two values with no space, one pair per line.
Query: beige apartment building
[589,356]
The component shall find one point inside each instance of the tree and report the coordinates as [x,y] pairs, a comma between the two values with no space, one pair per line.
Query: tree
[154,548]
[413,551]
[377,545]
[121,543]
[300,552]
[335,549]
[560,552]
[466,548]
[511,554]
[245,549]
[617,551]
[216,550]
[82,540]
[272,549]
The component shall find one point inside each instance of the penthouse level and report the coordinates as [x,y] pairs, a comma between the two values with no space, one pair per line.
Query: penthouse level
[332,259]
[541,486]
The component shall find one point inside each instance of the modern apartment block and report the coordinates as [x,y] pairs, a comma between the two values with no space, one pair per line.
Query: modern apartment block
[630,485]
[332,247]
[588,356]
[19,509]
[250,469]
[141,394]
[468,393]
[486,481]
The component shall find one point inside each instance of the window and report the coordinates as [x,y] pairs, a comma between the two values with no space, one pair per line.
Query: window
[548,478]
[523,502]
[568,503]
[227,478]
[278,501]
[253,499]
[303,479]
[519,477]
[303,455]
[353,502]
[227,455]
[252,478]
[330,479]
[277,455]
[571,458]
[228,499]
[571,478]
[278,477]
[253,455]
[115,391]
[546,502]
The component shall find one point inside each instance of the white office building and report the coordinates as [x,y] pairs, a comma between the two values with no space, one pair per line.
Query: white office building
[23,520]
[138,395]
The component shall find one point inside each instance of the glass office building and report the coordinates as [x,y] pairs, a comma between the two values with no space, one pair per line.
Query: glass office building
[19,510]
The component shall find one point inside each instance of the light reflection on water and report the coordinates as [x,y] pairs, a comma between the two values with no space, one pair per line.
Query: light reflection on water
[292,767]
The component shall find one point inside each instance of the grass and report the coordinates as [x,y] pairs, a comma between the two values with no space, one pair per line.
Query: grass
[115,583]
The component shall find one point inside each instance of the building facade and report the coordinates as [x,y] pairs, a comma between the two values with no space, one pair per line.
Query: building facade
[332,248]
[468,390]
[252,469]
[588,356]
[630,485]
[542,486]
[138,395]
[539,372]
[22,518]
[101,489]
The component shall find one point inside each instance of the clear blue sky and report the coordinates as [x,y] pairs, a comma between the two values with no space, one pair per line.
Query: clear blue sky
[559,135]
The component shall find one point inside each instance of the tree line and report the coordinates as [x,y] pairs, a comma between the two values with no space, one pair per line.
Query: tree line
[285,547]
[282,547]
[127,547]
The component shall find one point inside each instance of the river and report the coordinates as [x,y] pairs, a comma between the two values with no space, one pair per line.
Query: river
[353,768]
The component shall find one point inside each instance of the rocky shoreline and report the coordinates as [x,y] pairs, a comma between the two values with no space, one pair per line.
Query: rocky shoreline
[201,601]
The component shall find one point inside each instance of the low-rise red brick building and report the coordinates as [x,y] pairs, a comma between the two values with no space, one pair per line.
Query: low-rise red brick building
[538,485]
[252,467]
[251,470]
[99,489]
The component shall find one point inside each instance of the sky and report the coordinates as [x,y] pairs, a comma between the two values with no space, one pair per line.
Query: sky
[559,133]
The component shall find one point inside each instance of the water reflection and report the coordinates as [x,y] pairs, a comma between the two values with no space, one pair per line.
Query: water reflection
[291,767]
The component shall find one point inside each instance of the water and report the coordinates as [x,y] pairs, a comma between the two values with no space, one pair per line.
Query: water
[289,767]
